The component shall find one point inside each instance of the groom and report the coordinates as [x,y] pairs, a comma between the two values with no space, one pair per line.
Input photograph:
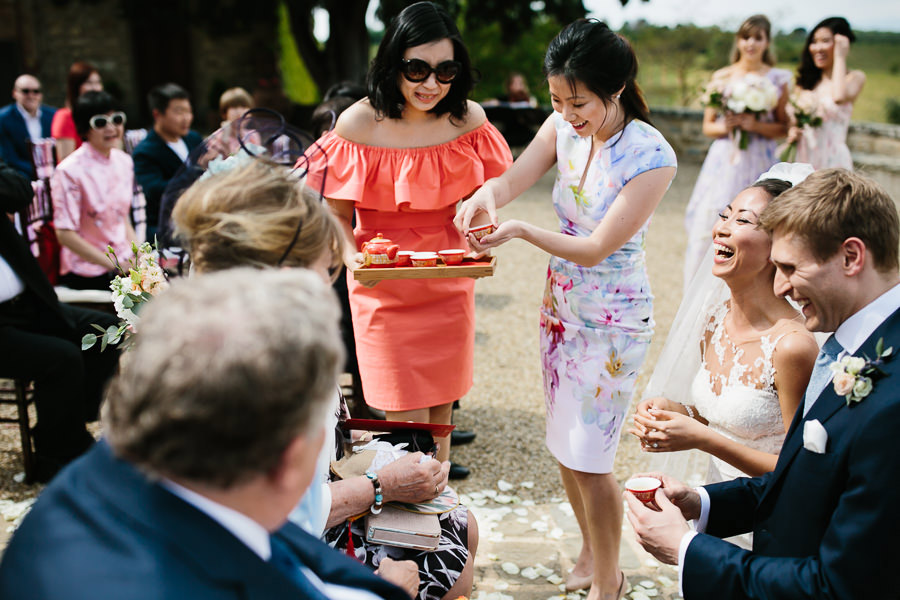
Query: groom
[825,522]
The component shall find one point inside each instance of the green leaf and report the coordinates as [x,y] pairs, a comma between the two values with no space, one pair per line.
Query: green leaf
[879,346]
[88,341]
[103,343]
[887,352]
[127,302]
[98,328]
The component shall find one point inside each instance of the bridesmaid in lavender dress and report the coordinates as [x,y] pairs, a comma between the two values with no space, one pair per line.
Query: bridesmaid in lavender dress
[727,170]
[823,69]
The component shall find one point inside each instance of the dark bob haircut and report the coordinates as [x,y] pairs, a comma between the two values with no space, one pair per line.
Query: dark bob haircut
[808,74]
[420,23]
[90,104]
[588,51]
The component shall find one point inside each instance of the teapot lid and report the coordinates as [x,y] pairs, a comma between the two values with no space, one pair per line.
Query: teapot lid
[379,239]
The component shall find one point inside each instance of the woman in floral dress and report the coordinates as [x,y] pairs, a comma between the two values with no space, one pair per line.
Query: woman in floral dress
[612,171]
[823,70]
[727,169]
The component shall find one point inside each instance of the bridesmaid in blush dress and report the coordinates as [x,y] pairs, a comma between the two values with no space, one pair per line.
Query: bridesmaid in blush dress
[823,69]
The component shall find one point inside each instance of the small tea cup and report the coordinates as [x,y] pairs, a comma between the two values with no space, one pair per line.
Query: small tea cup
[482,230]
[452,257]
[424,259]
[403,257]
[644,488]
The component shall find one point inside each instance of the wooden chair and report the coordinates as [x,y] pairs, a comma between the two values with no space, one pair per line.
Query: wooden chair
[17,392]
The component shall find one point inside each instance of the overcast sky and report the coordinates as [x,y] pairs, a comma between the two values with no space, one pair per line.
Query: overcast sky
[786,15]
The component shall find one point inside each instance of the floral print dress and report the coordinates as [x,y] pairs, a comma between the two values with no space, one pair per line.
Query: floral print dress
[596,322]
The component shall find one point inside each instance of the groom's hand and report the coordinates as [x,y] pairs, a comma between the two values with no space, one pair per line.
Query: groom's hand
[658,531]
[685,498]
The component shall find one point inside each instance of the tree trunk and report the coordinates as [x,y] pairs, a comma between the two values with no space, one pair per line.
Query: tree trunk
[346,53]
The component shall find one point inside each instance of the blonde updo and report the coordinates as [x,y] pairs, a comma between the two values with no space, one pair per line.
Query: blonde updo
[249,216]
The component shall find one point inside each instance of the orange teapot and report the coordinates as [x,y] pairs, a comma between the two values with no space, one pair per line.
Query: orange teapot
[380,252]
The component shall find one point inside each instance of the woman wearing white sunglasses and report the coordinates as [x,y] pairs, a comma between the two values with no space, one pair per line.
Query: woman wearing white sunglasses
[92,191]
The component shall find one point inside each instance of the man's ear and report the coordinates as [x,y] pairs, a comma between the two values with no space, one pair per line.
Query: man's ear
[853,254]
[156,114]
[298,461]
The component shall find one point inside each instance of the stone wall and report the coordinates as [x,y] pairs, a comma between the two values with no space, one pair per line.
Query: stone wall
[875,146]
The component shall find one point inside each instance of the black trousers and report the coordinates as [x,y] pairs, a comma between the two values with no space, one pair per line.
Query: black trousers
[68,383]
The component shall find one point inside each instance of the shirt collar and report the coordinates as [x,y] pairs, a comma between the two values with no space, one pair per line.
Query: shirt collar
[94,153]
[854,331]
[248,531]
[26,115]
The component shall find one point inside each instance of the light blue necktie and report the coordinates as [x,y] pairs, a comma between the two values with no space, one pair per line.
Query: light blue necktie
[821,374]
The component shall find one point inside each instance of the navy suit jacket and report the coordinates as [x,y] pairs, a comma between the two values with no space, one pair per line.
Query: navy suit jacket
[154,165]
[101,529]
[825,526]
[14,137]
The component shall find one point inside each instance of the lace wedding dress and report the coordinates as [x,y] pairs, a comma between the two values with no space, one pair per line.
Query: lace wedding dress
[734,389]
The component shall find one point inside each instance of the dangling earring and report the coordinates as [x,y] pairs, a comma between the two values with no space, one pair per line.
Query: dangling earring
[617,96]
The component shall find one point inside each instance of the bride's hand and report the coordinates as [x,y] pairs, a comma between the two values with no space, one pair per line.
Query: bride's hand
[669,431]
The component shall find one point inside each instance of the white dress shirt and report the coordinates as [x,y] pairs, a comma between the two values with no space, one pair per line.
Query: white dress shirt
[180,148]
[254,536]
[10,283]
[32,123]
[850,335]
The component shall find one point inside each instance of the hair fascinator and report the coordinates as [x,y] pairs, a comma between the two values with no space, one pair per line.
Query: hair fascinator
[793,173]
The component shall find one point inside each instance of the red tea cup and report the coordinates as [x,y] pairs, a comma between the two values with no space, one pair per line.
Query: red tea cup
[482,230]
[452,257]
[424,259]
[644,488]
[403,257]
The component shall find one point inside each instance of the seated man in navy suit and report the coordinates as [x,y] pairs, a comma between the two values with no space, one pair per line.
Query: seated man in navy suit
[24,120]
[825,522]
[212,428]
[162,152]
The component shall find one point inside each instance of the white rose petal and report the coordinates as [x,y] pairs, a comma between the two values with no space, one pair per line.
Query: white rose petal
[648,584]
[543,571]
[503,499]
[529,573]
[501,585]
[522,512]
[527,485]
[556,533]
[489,493]
[540,526]
[504,486]
[665,581]
[555,580]
[639,596]
[510,568]
[528,503]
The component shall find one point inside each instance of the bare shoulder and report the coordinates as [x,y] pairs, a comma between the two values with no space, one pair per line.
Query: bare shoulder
[723,73]
[356,122]
[857,76]
[797,348]
[475,118]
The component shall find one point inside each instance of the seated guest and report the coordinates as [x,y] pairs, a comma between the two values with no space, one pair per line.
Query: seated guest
[40,341]
[25,120]
[92,193]
[167,145]
[233,103]
[250,217]
[83,77]
[211,434]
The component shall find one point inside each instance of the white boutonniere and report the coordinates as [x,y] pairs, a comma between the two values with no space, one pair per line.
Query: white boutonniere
[854,376]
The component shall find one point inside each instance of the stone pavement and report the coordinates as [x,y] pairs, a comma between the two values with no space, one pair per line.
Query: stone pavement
[527,549]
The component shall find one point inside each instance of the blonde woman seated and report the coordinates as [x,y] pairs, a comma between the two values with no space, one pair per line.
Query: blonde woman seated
[260,215]
[755,355]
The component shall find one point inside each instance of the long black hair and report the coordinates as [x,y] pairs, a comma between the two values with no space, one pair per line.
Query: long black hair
[808,74]
[419,23]
[588,51]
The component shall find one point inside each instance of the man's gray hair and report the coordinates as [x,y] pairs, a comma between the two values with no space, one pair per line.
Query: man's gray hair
[226,370]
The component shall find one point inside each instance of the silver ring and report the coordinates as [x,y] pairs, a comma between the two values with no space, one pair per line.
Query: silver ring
[656,444]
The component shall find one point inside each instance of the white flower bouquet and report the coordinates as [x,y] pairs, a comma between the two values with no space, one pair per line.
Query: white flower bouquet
[808,114]
[751,94]
[144,279]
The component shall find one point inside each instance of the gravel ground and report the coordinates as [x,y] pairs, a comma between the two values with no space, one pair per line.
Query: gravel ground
[505,406]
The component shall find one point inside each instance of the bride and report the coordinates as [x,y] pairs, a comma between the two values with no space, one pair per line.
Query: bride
[737,361]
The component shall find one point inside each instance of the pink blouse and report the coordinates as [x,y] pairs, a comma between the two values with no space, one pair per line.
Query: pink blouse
[92,196]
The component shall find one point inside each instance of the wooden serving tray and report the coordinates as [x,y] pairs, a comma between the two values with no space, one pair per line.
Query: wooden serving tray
[483,267]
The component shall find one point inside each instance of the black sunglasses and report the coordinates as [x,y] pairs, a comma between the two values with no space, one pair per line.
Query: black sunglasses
[101,121]
[416,70]
[34,91]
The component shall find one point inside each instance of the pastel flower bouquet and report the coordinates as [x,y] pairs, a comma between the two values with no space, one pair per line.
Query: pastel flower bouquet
[752,94]
[143,279]
[808,114]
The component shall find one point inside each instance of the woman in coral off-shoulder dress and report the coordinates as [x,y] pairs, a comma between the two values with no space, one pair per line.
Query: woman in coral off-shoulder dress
[727,169]
[823,70]
[402,158]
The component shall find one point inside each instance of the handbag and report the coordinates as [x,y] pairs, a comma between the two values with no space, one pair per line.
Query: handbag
[397,527]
